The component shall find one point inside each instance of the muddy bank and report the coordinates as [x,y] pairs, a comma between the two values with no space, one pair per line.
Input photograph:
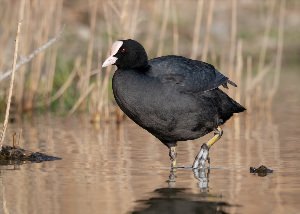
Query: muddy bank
[15,155]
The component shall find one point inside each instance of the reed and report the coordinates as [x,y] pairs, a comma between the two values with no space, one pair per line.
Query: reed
[208,30]
[249,72]
[11,85]
[238,69]
[53,54]
[263,51]
[175,29]
[163,27]
[159,25]
[67,83]
[36,66]
[233,36]
[278,62]
[89,57]
[197,28]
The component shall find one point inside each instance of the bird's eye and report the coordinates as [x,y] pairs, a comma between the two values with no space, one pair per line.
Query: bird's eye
[123,50]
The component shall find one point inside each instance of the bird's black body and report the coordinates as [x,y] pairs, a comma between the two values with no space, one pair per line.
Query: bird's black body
[174,98]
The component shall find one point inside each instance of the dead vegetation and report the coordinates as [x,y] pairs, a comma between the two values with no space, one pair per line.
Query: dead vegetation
[67,76]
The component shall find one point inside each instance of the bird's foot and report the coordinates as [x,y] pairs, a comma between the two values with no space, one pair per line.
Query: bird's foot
[202,157]
[173,154]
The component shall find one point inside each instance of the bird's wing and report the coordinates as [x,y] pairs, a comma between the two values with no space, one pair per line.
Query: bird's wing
[187,75]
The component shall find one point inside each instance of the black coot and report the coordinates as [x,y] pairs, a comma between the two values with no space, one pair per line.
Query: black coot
[172,97]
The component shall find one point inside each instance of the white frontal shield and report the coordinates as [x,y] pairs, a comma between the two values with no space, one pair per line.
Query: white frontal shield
[114,50]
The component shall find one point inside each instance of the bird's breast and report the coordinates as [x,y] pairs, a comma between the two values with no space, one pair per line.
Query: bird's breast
[144,99]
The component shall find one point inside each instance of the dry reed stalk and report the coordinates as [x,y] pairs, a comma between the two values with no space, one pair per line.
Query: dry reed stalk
[89,57]
[197,28]
[149,41]
[32,55]
[114,7]
[104,93]
[43,82]
[134,19]
[81,99]
[7,16]
[24,50]
[52,60]
[108,27]
[263,50]
[258,97]
[124,24]
[208,27]
[222,65]
[42,14]
[107,110]
[214,58]
[232,38]
[21,15]
[103,104]
[95,106]
[163,27]
[249,104]
[278,62]
[248,83]
[127,25]
[239,67]
[175,29]
[67,83]
[257,80]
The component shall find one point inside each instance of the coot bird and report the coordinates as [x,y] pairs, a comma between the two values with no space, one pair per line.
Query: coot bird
[172,97]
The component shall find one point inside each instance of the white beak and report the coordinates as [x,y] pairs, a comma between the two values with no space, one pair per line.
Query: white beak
[114,50]
[109,61]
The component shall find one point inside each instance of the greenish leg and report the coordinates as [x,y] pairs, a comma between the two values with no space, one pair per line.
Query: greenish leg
[204,151]
[173,155]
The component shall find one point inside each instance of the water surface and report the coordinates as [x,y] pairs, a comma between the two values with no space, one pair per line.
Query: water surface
[123,169]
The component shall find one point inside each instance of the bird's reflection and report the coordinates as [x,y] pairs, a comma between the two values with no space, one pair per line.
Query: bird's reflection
[202,175]
[181,200]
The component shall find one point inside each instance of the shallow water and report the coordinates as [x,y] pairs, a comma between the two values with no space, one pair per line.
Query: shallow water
[123,169]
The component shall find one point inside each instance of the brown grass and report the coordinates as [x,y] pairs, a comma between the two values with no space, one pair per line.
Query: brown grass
[164,27]
[197,28]
[11,85]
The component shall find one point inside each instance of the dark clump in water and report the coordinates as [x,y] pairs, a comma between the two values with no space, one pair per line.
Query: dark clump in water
[15,155]
[177,200]
[261,171]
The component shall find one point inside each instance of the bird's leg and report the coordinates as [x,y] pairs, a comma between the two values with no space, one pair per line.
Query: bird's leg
[204,151]
[173,154]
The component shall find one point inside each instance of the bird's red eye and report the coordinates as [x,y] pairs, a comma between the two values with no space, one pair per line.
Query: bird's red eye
[123,50]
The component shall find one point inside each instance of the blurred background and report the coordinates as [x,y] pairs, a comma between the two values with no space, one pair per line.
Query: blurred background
[62,104]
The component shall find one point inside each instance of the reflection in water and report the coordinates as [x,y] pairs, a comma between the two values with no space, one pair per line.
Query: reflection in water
[202,175]
[180,200]
[114,169]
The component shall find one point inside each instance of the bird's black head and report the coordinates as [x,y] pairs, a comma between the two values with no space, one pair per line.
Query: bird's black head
[127,54]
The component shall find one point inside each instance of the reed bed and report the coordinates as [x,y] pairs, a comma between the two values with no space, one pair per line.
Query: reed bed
[11,85]
[67,77]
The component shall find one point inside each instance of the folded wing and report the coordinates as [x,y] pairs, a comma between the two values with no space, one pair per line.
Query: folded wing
[186,75]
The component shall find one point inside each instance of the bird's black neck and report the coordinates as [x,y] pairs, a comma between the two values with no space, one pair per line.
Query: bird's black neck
[143,68]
